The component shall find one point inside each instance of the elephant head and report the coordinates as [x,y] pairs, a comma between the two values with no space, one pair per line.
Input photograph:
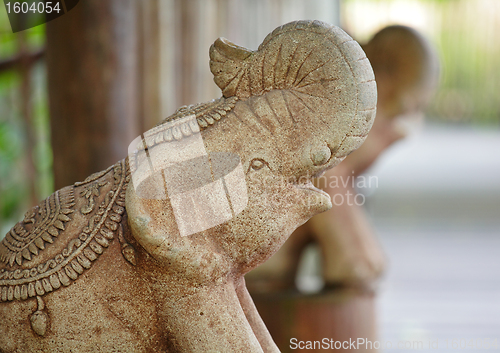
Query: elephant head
[290,110]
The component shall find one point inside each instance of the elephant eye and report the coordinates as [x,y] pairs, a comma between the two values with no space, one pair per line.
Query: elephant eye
[257,163]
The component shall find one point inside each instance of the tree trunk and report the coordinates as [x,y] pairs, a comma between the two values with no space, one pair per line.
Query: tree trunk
[93,87]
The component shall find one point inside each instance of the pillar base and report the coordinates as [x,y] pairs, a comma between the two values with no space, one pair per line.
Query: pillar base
[340,314]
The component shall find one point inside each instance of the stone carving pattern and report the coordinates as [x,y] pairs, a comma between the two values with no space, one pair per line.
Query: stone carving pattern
[80,252]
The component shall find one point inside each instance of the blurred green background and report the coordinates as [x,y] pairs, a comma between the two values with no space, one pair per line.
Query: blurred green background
[466,35]
[15,129]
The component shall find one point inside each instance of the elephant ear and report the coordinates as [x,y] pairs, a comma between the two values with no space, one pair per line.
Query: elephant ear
[228,64]
[327,70]
[321,72]
[309,57]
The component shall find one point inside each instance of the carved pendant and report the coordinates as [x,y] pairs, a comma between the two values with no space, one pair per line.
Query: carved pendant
[39,319]
[128,251]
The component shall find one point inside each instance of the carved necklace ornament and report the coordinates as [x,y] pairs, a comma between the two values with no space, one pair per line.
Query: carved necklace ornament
[175,127]
[206,113]
[89,192]
[40,226]
[28,271]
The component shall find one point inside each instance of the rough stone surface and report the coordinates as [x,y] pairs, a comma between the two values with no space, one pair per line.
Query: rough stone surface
[100,267]
[406,70]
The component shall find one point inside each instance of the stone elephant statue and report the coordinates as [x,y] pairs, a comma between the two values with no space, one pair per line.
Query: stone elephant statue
[111,264]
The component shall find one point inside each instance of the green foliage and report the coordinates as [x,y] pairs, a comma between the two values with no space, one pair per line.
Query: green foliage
[470,80]
[14,183]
